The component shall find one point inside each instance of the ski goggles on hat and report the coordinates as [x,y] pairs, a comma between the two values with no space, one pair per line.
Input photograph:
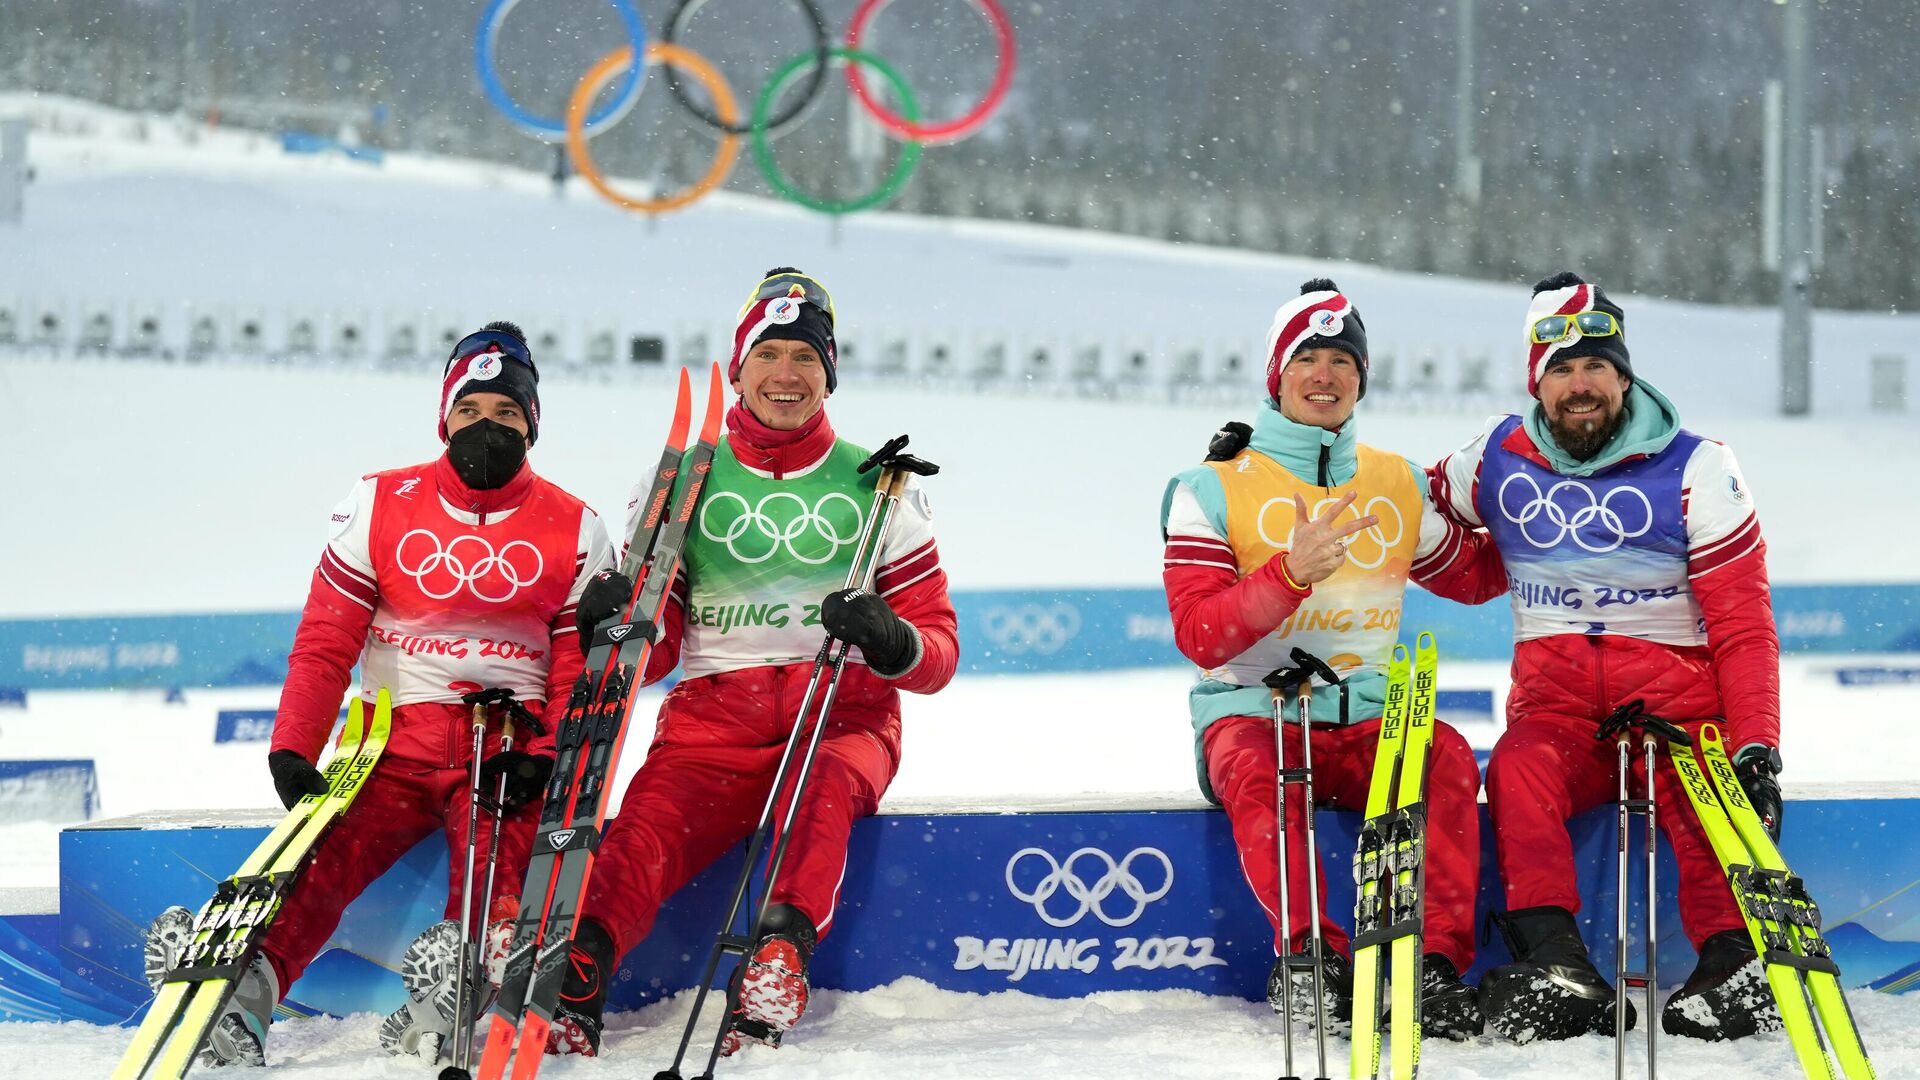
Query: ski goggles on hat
[503,343]
[799,286]
[1551,328]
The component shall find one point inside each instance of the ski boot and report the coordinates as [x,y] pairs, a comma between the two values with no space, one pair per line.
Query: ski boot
[1551,990]
[768,994]
[429,970]
[1336,986]
[239,1034]
[1726,997]
[1449,1007]
[578,1019]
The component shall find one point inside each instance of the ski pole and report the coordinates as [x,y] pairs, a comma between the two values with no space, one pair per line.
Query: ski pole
[463,986]
[1622,725]
[1298,682]
[895,468]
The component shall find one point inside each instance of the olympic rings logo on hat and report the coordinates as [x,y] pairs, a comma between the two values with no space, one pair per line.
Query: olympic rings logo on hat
[467,562]
[1367,549]
[809,534]
[1546,506]
[1030,627]
[1326,323]
[1062,877]
[628,62]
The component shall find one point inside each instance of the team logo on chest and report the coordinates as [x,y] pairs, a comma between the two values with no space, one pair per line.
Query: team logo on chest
[782,521]
[467,562]
[1570,510]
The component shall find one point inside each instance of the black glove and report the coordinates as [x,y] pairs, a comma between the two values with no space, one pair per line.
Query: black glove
[1229,441]
[294,777]
[864,620]
[1757,766]
[605,596]
[527,776]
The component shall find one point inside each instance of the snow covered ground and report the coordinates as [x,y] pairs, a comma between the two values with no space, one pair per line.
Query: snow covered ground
[911,1029]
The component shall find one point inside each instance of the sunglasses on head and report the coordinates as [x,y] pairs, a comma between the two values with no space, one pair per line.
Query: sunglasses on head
[795,285]
[1551,328]
[505,344]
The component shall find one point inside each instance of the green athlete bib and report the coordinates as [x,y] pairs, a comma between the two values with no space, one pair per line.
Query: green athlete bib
[762,553]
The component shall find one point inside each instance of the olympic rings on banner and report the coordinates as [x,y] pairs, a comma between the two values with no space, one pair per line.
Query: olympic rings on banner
[908,127]
[763,146]
[485,46]
[580,125]
[670,56]
[785,118]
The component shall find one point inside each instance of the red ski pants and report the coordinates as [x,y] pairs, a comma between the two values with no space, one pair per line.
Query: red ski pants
[402,804]
[695,797]
[1547,769]
[1241,767]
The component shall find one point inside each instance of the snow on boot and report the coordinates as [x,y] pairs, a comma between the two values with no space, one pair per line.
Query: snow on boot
[1449,1007]
[583,995]
[1726,997]
[769,992]
[239,1034]
[167,938]
[1336,991]
[1551,990]
[430,971]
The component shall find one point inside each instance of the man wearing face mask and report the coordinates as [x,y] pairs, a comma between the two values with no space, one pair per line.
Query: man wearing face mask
[766,561]
[1636,569]
[454,575]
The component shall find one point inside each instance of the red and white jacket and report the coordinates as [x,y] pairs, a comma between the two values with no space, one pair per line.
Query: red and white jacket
[1646,579]
[435,589]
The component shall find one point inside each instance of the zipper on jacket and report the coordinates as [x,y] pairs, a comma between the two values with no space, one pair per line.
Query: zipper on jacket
[1326,460]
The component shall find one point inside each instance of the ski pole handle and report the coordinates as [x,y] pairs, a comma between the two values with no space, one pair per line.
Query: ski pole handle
[1315,665]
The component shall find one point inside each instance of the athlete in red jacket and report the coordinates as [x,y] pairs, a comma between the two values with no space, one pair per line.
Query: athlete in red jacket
[454,575]
[1268,550]
[766,562]
[1636,570]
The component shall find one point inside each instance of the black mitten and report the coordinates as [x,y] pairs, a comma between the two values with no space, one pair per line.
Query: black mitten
[294,777]
[527,776]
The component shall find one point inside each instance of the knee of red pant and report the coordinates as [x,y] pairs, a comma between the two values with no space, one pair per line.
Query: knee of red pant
[1454,769]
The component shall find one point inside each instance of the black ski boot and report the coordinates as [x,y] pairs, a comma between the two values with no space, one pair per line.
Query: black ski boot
[583,995]
[1551,990]
[1726,997]
[1449,1007]
[1336,992]
[769,989]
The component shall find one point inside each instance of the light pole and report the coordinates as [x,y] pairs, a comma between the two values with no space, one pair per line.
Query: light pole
[1796,218]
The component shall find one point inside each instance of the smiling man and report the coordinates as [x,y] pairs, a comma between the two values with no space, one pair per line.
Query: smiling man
[1303,536]
[1636,570]
[766,565]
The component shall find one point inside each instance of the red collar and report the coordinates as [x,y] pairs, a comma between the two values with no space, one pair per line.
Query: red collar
[473,500]
[758,446]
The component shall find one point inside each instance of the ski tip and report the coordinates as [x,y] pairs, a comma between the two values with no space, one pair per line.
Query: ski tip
[716,402]
[1709,734]
[1426,641]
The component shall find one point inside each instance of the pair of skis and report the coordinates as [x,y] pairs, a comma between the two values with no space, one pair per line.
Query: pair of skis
[229,928]
[1781,915]
[587,745]
[1389,867]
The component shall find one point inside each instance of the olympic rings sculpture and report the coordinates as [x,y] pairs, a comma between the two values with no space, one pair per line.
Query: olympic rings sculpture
[764,123]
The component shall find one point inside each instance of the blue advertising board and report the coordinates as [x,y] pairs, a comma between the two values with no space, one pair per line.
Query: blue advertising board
[1002,631]
[1054,904]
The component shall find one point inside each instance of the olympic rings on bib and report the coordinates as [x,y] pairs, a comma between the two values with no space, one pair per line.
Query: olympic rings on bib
[630,64]
[903,166]
[783,120]
[908,127]
[602,73]
[485,46]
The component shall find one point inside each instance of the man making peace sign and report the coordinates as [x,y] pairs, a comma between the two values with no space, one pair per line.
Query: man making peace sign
[1303,537]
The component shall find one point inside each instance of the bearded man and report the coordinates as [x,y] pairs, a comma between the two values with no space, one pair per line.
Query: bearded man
[1636,569]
